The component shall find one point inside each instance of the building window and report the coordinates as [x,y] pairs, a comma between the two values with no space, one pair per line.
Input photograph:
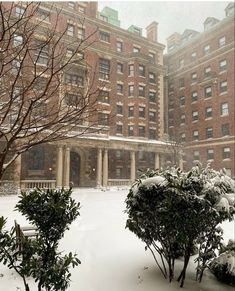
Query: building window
[222,65]
[152,96]
[193,55]
[182,118]
[183,137]
[207,72]
[222,41]
[142,131]
[196,156]
[69,53]
[119,109]
[19,11]
[152,133]
[119,46]
[104,96]
[152,116]
[131,70]
[130,130]
[73,100]
[195,115]
[42,52]
[210,154]
[36,157]
[206,49]
[103,118]
[152,77]
[81,9]
[17,40]
[181,63]
[70,30]
[130,111]
[194,77]
[81,33]
[195,135]
[71,4]
[119,68]
[15,66]
[194,96]
[224,109]
[223,86]
[141,70]
[209,132]
[225,129]
[141,91]
[182,100]
[226,153]
[131,90]
[208,91]
[142,112]
[73,79]
[104,18]
[136,49]
[43,15]
[208,112]
[119,88]
[152,57]
[118,173]
[181,82]
[104,69]
[119,128]
[104,36]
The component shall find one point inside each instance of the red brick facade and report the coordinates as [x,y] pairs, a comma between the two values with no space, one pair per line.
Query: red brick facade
[200,86]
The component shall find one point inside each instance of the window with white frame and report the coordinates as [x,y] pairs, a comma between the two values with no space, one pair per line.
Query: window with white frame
[183,137]
[131,70]
[119,128]
[141,70]
[19,11]
[210,154]
[81,33]
[120,88]
[42,52]
[152,77]
[223,86]
[152,56]
[194,96]
[104,96]
[119,109]
[104,69]
[141,130]
[193,55]
[103,118]
[195,135]
[225,129]
[222,41]
[196,155]
[141,112]
[222,65]
[207,72]
[104,36]
[226,153]
[136,49]
[130,111]
[43,15]
[208,112]
[206,49]
[194,77]
[152,116]
[195,115]
[130,130]
[141,91]
[17,40]
[209,132]
[81,9]
[182,100]
[224,109]
[208,91]
[74,79]
[69,53]
[131,90]
[15,66]
[70,30]
[119,46]
[182,118]
[152,96]
[119,68]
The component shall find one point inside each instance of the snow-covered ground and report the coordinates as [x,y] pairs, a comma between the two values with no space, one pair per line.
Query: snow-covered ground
[113,259]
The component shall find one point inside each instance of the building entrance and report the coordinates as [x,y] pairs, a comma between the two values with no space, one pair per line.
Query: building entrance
[75,165]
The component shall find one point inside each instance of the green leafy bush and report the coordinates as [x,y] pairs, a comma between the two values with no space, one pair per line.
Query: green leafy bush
[51,211]
[171,211]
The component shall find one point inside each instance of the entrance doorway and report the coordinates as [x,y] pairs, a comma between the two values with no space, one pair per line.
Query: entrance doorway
[75,164]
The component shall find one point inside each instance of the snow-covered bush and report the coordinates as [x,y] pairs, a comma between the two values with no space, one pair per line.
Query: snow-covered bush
[170,211]
[51,211]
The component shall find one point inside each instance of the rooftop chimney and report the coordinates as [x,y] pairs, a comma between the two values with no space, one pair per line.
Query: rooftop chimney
[152,31]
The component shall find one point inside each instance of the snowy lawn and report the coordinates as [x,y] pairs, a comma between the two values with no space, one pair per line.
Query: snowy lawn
[113,259]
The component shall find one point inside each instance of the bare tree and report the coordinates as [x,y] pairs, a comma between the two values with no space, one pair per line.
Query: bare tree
[41,100]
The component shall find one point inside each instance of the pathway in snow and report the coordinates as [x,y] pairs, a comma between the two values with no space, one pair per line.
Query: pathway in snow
[113,259]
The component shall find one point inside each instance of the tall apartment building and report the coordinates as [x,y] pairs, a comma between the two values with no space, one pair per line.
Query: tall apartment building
[200,88]
[128,69]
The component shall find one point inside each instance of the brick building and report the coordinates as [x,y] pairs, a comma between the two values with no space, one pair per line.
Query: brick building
[128,69]
[200,89]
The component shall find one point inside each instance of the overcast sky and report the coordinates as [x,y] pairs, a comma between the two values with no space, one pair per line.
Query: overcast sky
[172,16]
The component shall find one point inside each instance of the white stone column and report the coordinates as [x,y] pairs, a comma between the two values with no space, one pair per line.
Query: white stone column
[66,167]
[105,168]
[99,168]
[133,166]
[157,161]
[17,173]
[59,167]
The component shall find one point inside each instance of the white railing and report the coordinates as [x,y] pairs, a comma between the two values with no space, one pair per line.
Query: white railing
[42,184]
[119,182]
